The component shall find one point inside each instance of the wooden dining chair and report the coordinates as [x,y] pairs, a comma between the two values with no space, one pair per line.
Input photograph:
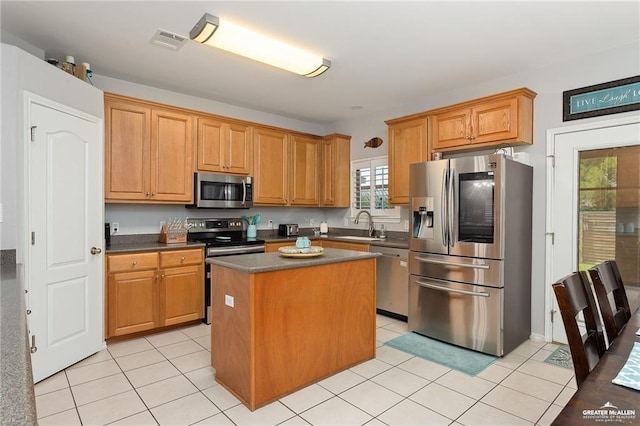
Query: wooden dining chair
[606,280]
[574,296]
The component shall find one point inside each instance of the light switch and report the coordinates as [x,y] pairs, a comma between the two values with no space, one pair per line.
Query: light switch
[228,300]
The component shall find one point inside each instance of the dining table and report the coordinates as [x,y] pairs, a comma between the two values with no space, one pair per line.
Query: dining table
[598,400]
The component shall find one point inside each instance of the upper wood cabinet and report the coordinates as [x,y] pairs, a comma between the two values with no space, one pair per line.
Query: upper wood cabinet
[270,167]
[483,123]
[336,170]
[304,166]
[407,145]
[224,146]
[286,168]
[149,152]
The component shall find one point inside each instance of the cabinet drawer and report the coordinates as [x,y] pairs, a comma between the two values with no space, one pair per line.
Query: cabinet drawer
[172,258]
[132,262]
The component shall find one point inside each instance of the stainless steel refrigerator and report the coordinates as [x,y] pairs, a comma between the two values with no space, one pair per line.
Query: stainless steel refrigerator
[470,252]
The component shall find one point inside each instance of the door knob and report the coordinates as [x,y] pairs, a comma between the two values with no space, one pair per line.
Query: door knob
[96,250]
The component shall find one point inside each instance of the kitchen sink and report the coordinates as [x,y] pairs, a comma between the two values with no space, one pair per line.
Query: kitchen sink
[355,238]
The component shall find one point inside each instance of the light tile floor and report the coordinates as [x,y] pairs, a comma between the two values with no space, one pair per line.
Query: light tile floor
[166,379]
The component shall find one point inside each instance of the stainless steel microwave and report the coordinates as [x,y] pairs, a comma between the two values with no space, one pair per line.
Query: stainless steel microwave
[220,191]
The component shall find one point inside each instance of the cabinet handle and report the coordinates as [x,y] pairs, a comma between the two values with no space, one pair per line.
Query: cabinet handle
[182,259]
[134,263]
[162,276]
[148,194]
[153,194]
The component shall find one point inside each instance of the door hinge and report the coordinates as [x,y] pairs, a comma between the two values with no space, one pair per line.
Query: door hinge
[553,237]
[33,238]
[552,314]
[34,348]
[553,160]
[33,133]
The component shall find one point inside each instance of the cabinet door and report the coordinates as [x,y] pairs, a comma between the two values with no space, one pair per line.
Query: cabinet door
[132,303]
[305,164]
[210,143]
[335,179]
[182,294]
[171,156]
[127,143]
[407,145]
[270,170]
[451,129]
[495,121]
[224,147]
[239,153]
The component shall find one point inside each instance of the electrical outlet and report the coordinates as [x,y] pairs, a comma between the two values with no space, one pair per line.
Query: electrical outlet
[405,223]
[312,222]
[229,300]
[345,221]
[115,227]
[270,222]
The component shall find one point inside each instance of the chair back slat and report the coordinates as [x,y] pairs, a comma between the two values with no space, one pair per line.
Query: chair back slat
[574,296]
[606,280]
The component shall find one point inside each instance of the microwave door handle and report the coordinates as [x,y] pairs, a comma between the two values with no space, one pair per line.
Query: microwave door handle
[451,220]
[443,208]
[244,192]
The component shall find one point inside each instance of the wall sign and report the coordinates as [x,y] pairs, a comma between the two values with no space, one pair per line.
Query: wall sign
[601,99]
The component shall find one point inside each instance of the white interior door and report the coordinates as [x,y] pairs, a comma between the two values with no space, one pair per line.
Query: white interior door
[65,215]
[564,146]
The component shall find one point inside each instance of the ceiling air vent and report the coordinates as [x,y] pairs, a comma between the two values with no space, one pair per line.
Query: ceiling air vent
[169,40]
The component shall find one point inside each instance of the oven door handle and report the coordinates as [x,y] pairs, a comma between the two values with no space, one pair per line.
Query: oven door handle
[451,290]
[235,250]
[443,262]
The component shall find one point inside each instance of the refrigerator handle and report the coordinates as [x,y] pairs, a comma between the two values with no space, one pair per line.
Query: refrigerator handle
[452,290]
[451,208]
[443,207]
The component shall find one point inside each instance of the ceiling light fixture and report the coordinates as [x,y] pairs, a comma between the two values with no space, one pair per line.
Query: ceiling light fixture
[248,43]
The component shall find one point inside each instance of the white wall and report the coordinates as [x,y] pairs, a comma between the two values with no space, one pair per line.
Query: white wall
[549,81]
[21,72]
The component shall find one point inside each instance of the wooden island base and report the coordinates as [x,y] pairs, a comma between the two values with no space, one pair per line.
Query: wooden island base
[290,328]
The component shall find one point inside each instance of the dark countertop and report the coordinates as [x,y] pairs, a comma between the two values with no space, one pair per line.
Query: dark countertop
[18,398]
[130,247]
[266,262]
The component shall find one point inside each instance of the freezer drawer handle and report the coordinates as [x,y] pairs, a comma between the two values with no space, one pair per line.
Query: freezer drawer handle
[452,290]
[463,265]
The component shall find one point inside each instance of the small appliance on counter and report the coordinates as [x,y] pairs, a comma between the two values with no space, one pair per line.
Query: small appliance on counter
[107,234]
[288,230]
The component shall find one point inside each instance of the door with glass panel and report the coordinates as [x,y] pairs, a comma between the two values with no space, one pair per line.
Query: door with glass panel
[594,210]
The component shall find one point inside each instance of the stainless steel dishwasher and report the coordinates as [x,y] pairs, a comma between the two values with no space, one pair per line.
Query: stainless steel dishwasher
[392,276]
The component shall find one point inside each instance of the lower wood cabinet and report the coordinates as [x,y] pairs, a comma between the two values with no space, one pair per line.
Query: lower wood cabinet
[147,290]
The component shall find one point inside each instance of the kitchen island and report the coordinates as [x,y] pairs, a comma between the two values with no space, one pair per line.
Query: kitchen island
[280,324]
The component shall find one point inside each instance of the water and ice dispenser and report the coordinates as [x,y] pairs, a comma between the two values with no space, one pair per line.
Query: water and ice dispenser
[422,211]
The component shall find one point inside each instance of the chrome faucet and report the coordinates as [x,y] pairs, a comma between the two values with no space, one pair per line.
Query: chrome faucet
[357,219]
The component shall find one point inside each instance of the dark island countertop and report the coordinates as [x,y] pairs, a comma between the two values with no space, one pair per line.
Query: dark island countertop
[266,262]
[394,242]
[18,398]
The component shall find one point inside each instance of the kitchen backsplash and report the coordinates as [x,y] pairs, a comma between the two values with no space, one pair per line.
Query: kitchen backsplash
[145,219]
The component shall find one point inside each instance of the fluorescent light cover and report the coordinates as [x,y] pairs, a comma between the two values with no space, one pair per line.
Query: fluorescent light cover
[228,36]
